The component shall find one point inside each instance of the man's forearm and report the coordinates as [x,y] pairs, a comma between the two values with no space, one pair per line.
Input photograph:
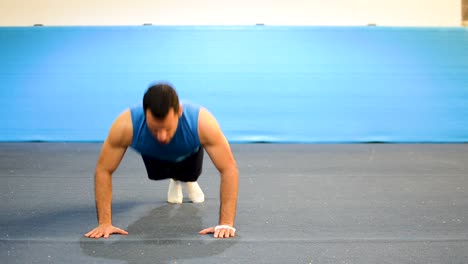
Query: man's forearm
[228,193]
[103,195]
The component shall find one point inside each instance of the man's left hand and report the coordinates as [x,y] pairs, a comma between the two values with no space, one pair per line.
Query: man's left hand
[220,231]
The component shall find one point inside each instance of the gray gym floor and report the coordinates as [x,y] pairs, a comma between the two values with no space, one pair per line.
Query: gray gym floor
[298,203]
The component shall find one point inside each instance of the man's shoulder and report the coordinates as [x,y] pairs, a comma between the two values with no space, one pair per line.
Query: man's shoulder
[191,106]
[122,129]
[135,109]
[191,111]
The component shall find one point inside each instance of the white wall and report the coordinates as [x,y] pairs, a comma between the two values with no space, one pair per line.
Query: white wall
[235,12]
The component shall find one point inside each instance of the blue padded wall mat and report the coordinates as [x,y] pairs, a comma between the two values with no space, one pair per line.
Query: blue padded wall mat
[263,83]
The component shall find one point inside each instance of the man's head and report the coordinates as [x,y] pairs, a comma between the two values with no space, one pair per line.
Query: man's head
[162,110]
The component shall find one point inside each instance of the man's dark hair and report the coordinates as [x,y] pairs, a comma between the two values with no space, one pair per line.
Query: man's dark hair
[159,99]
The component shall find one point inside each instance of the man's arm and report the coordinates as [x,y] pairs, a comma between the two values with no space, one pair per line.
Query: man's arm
[217,147]
[112,152]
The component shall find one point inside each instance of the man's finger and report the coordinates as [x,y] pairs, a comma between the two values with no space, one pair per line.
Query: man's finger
[120,231]
[207,231]
[216,233]
[222,232]
[92,234]
[227,233]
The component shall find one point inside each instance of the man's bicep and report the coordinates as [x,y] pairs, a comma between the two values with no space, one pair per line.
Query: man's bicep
[214,141]
[114,147]
[110,157]
[221,156]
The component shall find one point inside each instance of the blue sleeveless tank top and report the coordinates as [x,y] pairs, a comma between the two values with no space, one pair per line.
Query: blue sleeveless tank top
[184,143]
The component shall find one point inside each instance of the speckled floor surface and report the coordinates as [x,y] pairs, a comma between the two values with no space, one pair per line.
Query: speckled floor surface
[304,203]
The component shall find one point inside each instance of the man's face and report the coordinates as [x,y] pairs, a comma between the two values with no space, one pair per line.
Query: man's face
[163,129]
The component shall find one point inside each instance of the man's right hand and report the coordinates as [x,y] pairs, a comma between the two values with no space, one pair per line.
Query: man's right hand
[105,231]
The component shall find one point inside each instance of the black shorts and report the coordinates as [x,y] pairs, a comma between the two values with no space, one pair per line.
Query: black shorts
[186,170]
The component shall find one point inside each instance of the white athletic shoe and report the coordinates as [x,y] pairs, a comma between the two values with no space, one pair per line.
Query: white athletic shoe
[174,194]
[194,192]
